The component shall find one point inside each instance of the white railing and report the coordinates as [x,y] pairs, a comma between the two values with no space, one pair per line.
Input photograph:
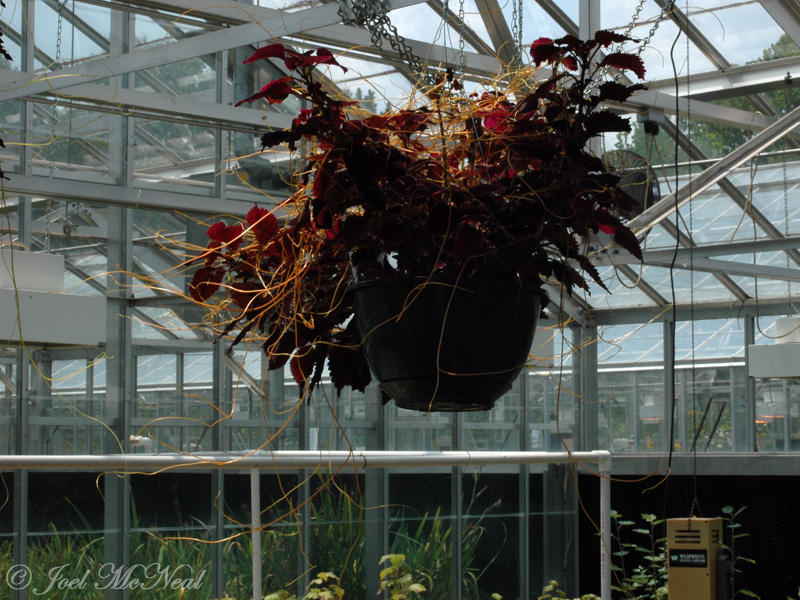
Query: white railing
[283,460]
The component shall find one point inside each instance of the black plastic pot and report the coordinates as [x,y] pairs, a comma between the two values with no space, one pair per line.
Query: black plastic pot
[453,348]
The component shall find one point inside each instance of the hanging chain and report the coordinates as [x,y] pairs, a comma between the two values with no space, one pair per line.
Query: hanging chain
[372,15]
[462,56]
[514,21]
[519,28]
[634,19]
[646,41]
[643,43]
[56,67]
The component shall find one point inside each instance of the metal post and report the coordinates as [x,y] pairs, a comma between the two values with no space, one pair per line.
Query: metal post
[375,514]
[304,493]
[120,384]
[605,529]
[221,387]
[255,513]
[457,509]
[524,487]
[750,385]
[587,408]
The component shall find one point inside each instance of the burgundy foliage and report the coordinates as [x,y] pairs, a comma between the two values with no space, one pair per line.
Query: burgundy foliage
[511,197]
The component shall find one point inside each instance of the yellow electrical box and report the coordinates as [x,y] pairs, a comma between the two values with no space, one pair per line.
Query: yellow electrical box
[693,549]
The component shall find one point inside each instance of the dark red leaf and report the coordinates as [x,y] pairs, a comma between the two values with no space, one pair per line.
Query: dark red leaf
[273,138]
[623,236]
[494,120]
[348,367]
[627,62]
[543,50]
[302,365]
[231,235]
[271,51]
[469,240]
[617,92]
[604,120]
[305,113]
[212,253]
[606,38]
[325,57]
[264,224]
[245,294]
[626,238]
[205,282]
[275,92]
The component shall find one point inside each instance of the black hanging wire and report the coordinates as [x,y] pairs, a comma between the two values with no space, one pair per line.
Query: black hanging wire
[674,311]
[693,388]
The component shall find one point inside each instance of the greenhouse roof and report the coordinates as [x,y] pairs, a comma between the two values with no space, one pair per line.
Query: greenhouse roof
[722,91]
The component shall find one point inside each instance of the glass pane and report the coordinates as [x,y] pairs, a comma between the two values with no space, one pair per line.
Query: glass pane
[8,404]
[631,389]
[421,527]
[11,132]
[723,27]
[279,541]
[496,429]
[337,537]
[490,536]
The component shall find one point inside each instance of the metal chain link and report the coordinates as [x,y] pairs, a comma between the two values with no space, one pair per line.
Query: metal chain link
[52,158]
[653,29]
[634,19]
[519,29]
[56,67]
[514,21]
[646,41]
[373,15]
[462,56]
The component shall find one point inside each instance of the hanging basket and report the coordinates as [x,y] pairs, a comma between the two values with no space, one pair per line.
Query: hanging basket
[435,346]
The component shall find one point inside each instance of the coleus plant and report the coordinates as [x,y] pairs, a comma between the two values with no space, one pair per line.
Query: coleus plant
[497,185]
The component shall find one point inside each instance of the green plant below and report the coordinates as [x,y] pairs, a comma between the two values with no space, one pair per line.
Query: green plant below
[397,579]
[551,591]
[640,566]
[730,516]
[648,578]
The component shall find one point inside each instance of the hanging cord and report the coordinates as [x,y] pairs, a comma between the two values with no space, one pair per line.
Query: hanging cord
[695,501]
[786,220]
[674,310]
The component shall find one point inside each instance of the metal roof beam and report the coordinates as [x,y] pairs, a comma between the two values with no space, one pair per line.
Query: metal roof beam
[645,287]
[470,36]
[499,33]
[708,49]
[713,174]
[705,251]
[18,85]
[729,267]
[733,192]
[33,185]
[748,79]
[757,307]
[559,16]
